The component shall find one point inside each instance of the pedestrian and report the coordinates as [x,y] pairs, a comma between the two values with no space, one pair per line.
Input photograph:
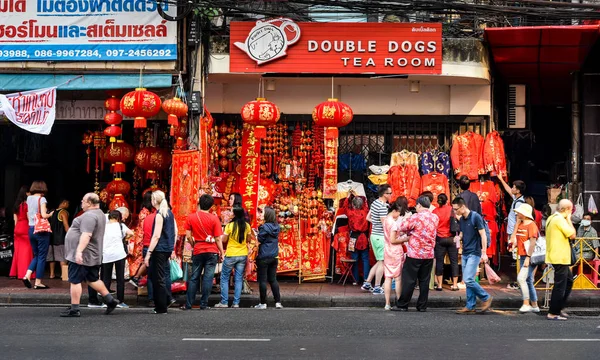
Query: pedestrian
[526,230]
[421,228]
[471,199]
[40,241]
[160,249]
[204,232]
[430,196]
[377,215]
[516,193]
[591,245]
[266,259]
[237,232]
[359,230]
[474,247]
[393,252]
[83,251]
[137,268]
[23,254]
[59,222]
[559,231]
[114,255]
[444,243]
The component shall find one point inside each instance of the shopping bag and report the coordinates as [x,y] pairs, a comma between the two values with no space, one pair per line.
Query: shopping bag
[578,214]
[592,208]
[178,287]
[491,274]
[40,224]
[176,272]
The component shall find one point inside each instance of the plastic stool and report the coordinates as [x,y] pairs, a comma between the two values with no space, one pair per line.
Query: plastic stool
[348,271]
[595,269]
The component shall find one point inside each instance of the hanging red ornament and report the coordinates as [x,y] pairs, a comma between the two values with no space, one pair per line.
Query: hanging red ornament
[260,113]
[332,114]
[118,186]
[113,131]
[117,202]
[112,103]
[176,109]
[140,105]
[153,159]
[119,153]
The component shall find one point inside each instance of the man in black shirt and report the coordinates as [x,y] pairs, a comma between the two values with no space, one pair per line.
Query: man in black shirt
[470,197]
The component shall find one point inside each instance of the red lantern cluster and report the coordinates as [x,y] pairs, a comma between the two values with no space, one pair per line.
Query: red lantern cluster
[118,186]
[332,114]
[140,105]
[176,109]
[152,160]
[260,113]
[118,153]
[112,118]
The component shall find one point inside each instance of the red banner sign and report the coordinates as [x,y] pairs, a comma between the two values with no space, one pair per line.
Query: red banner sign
[282,46]
[185,181]
[330,169]
[250,171]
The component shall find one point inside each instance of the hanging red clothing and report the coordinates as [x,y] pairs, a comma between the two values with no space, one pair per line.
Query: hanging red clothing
[485,190]
[340,245]
[494,158]
[488,209]
[466,155]
[405,181]
[437,183]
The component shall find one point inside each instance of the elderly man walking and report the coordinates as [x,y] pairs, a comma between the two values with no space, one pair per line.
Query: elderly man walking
[421,229]
[559,229]
[83,249]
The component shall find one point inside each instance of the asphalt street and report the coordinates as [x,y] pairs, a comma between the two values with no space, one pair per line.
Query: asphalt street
[39,333]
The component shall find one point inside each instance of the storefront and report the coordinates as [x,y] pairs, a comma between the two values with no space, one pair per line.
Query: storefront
[411,93]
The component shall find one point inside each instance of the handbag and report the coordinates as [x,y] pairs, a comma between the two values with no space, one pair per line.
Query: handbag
[41,225]
[538,256]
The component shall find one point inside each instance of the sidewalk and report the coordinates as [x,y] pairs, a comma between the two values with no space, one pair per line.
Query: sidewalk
[306,295]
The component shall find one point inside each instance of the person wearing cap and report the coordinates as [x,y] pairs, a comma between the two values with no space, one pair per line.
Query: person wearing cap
[526,229]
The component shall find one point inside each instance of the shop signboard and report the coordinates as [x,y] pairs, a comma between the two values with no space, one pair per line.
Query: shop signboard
[283,46]
[86,30]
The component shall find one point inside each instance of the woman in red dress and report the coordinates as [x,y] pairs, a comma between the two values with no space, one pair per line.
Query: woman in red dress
[137,269]
[23,252]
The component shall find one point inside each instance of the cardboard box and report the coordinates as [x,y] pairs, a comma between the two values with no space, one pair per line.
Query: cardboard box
[553,194]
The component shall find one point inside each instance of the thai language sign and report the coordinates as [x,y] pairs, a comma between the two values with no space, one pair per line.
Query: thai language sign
[33,110]
[86,30]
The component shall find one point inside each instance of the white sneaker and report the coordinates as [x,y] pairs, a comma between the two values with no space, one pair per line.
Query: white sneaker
[123,306]
[388,307]
[221,305]
[236,306]
[525,309]
[535,309]
[261,306]
[278,306]
[95,306]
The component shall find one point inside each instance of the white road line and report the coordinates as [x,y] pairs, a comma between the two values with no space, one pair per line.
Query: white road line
[564,340]
[232,339]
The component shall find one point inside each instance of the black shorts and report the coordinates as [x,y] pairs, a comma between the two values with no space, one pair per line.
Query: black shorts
[80,273]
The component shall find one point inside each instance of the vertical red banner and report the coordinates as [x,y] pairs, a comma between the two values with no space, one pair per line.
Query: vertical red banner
[330,178]
[204,146]
[250,171]
[185,183]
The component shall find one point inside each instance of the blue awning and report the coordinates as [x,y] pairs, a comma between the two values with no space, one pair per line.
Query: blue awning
[24,82]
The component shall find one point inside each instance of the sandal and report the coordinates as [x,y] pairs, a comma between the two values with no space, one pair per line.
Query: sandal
[439,288]
[556,318]
[454,288]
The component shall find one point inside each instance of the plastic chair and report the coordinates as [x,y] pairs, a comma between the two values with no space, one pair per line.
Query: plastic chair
[595,269]
[347,271]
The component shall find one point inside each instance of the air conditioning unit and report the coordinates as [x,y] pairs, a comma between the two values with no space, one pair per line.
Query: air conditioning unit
[517,106]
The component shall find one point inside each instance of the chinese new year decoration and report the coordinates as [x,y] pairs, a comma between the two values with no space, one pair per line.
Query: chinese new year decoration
[140,104]
[118,154]
[176,109]
[153,160]
[260,113]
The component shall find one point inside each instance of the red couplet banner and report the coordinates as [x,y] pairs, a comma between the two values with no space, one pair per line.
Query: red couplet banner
[283,46]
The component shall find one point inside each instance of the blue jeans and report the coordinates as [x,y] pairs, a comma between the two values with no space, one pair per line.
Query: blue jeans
[362,255]
[239,264]
[167,278]
[470,264]
[525,280]
[39,243]
[202,265]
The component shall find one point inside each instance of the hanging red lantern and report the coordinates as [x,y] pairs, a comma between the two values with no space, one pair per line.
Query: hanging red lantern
[112,103]
[176,109]
[118,186]
[260,113]
[113,119]
[332,114]
[153,159]
[119,153]
[117,202]
[140,105]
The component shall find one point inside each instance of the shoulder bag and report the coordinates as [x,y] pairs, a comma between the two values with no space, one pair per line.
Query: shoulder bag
[41,225]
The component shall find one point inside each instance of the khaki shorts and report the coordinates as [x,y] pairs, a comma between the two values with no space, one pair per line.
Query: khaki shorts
[378,245]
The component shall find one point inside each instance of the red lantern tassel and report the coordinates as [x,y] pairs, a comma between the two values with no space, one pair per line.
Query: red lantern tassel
[260,132]
[172,120]
[118,167]
[172,132]
[152,175]
[139,122]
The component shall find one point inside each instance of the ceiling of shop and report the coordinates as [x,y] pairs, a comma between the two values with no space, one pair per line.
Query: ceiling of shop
[541,57]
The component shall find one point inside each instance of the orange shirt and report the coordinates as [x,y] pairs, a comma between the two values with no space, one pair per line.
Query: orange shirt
[524,233]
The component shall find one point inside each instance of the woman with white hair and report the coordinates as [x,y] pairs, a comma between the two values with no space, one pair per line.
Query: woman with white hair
[160,249]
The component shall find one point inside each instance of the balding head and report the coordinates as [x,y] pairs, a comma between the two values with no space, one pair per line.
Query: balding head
[90,201]
[564,206]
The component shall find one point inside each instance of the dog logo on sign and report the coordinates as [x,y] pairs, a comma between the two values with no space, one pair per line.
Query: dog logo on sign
[268,41]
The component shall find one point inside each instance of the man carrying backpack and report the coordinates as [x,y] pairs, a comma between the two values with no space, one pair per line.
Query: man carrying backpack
[474,244]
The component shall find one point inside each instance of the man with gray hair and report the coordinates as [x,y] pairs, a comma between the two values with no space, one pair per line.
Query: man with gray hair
[421,229]
[83,249]
[559,230]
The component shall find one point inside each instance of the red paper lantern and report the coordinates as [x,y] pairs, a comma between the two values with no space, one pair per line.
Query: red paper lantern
[260,113]
[112,104]
[118,186]
[113,131]
[119,153]
[332,114]
[117,202]
[140,105]
[113,118]
[153,159]
[176,109]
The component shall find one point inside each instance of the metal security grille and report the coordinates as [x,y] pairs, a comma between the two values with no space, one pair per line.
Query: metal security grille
[375,138]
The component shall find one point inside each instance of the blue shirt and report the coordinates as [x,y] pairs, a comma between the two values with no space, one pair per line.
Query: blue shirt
[472,200]
[512,215]
[470,229]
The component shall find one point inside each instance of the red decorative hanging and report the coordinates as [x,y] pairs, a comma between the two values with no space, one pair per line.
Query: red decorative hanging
[332,114]
[260,113]
[113,119]
[119,153]
[118,186]
[140,105]
[153,159]
[117,202]
[112,103]
[176,109]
